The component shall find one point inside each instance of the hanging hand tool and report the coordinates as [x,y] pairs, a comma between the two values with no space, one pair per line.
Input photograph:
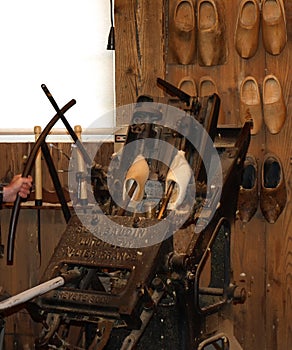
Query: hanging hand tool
[38,188]
[82,190]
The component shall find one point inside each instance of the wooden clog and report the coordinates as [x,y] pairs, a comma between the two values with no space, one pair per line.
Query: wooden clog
[250,104]
[274,107]
[247,28]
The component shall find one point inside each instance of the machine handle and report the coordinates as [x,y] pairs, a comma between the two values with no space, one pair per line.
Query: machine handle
[26,172]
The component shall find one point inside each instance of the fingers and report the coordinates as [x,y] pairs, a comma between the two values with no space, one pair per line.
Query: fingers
[26,185]
[24,191]
[22,185]
[27,181]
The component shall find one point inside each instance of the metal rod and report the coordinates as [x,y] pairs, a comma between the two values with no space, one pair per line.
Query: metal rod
[166,200]
[67,125]
[56,182]
[122,210]
[173,90]
[32,293]
[219,292]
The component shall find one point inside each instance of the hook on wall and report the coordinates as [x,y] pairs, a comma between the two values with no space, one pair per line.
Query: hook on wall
[111,37]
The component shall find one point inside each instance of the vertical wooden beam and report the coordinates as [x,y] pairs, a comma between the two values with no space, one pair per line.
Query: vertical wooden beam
[139,28]
[279,235]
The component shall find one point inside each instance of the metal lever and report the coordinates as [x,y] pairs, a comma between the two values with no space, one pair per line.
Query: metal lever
[38,290]
[173,90]
[26,172]
[67,125]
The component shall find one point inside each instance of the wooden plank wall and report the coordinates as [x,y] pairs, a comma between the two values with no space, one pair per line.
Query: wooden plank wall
[139,49]
[279,236]
[261,251]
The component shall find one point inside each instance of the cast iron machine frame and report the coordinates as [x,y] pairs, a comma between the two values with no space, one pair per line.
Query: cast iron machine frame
[113,289]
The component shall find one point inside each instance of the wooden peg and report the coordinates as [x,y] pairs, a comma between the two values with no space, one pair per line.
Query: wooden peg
[82,190]
[38,171]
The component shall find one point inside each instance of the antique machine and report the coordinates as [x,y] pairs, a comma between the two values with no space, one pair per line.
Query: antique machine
[147,265]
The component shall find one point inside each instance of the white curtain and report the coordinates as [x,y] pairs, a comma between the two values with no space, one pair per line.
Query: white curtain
[61,43]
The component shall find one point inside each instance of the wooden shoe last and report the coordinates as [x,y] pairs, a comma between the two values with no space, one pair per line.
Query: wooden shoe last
[180,173]
[139,173]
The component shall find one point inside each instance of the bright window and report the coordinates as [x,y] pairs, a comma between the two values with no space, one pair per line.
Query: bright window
[61,43]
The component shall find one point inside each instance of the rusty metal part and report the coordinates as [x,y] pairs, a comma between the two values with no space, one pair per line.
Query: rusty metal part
[51,326]
[218,341]
[132,339]
[102,336]
[174,91]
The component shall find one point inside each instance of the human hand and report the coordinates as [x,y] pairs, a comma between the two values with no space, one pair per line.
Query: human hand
[18,186]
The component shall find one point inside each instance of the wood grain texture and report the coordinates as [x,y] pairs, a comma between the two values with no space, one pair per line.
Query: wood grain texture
[279,235]
[139,49]
[27,268]
[261,252]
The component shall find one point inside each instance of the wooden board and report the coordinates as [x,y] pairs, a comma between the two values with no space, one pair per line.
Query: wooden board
[279,235]
[139,50]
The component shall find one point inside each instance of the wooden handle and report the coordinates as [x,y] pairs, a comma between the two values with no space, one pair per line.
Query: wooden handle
[82,196]
[38,170]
